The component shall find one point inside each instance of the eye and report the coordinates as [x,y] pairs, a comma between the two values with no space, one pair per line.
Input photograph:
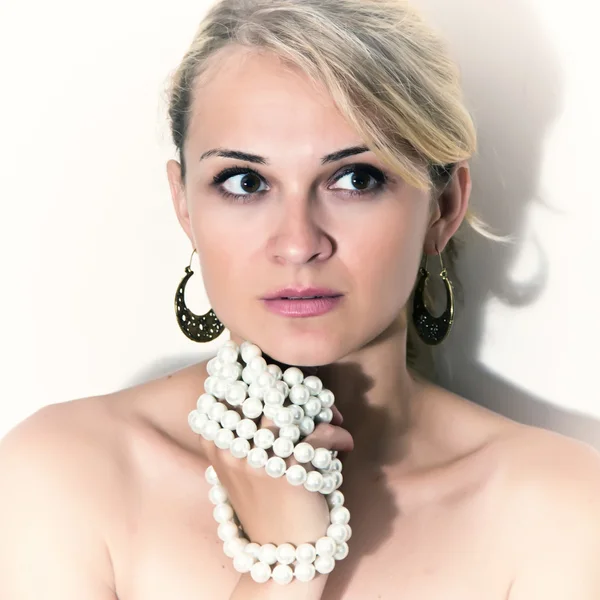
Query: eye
[360,176]
[239,183]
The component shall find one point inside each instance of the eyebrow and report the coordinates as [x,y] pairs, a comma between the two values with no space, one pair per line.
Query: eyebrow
[261,160]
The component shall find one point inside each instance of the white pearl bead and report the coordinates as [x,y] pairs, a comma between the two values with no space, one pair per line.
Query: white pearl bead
[209,384]
[283,417]
[270,411]
[314,384]
[211,476]
[223,513]
[338,478]
[296,475]
[230,344]
[312,407]
[275,467]
[256,390]
[286,554]
[282,574]
[227,355]
[327,398]
[224,438]
[292,376]
[304,572]
[307,426]
[314,481]
[243,562]
[231,371]
[264,438]
[337,532]
[220,388]
[275,370]
[336,465]
[325,416]
[239,448]
[322,458]
[304,452]
[252,548]
[283,447]
[197,421]
[299,394]
[227,531]
[268,554]
[336,498]
[283,387]
[214,366]
[257,458]
[204,402]
[349,531]
[290,431]
[217,494]
[246,429]
[216,411]
[325,546]
[328,484]
[297,413]
[248,375]
[324,564]
[227,548]
[341,551]
[273,397]
[260,572]
[236,546]
[230,419]
[249,352]
[265,379]
[306,553]
[258,364]
[339,515]
[252,408]
[236,394]
[210,430]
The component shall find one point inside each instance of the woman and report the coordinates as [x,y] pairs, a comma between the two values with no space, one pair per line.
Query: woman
[323,151]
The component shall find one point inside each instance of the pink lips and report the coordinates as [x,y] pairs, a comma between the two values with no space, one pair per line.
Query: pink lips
[305,302]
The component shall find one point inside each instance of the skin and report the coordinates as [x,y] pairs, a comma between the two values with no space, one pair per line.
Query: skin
[105,496]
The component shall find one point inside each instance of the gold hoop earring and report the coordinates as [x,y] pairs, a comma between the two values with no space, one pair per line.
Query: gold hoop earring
[432,330]
[198,328]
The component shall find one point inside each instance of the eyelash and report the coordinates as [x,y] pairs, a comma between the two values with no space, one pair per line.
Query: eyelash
[221,177]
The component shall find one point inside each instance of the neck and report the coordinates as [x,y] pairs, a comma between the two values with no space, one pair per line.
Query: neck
[377,395]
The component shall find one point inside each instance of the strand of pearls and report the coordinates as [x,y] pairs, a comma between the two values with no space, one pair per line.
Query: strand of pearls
[256,388]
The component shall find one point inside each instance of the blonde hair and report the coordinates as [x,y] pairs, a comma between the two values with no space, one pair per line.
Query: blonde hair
[389,74]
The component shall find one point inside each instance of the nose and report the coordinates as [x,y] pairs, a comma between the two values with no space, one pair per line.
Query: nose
[298,238]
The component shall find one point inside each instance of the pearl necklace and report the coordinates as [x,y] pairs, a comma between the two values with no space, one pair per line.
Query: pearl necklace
[256,389]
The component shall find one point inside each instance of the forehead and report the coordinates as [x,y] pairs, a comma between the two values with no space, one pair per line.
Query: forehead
[247,98]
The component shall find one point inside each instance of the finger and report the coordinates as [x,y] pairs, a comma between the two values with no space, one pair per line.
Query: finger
[332,437]
[338,419]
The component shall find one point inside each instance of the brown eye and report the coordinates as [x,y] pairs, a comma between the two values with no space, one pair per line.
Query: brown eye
[363,179]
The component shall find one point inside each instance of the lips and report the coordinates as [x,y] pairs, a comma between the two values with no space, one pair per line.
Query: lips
[309,293]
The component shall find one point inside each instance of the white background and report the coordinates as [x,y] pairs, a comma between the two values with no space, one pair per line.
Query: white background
[91,252]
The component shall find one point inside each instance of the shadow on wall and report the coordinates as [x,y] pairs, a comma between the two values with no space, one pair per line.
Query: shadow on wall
[513,83]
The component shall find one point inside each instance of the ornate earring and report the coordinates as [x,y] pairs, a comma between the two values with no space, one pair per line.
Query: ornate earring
[432,330]
[198,328]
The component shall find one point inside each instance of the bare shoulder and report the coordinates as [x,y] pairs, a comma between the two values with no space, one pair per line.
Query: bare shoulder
[551,495]
[57,473]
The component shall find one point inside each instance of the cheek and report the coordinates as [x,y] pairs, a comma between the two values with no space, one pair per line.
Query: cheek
[385,262]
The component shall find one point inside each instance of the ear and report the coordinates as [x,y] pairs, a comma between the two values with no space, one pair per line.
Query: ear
[177,187]
[449,209]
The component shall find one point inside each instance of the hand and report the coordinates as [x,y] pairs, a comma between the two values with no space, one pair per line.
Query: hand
[272,510]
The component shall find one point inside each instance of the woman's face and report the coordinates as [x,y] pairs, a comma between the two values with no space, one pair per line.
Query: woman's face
[293,219]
